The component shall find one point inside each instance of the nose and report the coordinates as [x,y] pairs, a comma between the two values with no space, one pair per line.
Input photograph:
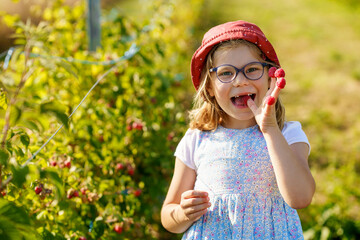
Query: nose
[240,80]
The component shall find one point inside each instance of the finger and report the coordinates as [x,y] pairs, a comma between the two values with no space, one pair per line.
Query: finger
[270,100]
[280,84]
[194,194]
[189,203]
[252,105]
[189,210]
[272,86]
[197,215]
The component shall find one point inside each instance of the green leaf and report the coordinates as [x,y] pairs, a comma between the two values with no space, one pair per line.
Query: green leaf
[54,178]
[10,20]
[68,67]
[15,223]
[99,228]
[25,139]
[4,156]
[19,175]
[57,109]
[3,99]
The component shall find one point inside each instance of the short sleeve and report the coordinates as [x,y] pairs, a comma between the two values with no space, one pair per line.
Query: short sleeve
[293,133]
[186,148]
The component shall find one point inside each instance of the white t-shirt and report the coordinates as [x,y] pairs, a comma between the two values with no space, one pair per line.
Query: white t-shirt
[186,148]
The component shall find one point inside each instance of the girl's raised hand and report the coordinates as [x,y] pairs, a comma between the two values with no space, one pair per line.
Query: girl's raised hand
[194,204]
[265,115]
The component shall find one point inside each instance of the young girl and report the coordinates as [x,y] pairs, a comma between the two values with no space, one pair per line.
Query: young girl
[241,170]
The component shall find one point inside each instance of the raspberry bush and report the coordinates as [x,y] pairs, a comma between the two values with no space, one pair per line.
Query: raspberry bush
[106,172]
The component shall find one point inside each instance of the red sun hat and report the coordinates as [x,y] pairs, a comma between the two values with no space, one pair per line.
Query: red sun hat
[225,32]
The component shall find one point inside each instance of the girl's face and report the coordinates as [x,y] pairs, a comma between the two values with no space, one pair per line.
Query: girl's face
[230,96]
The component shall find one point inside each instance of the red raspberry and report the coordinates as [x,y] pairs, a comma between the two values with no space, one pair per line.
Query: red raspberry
[83,191]
[137,193]
[281,83]
[68,164]
[118,228]
[38,190]
[270,100]
[271,72]
[76,194]
[119,166]
[279,73]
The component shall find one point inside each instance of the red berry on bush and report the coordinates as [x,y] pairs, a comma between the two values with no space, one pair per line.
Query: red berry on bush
[82,238]
[131,171]
[118,228]
[271,72]
[68,164]
[281,82]
[137,125]
[76,194]
[119,166]
[53,163]
[137,193]
[129,127]
[279,73]
[3,194]
[38,190]
[83,191]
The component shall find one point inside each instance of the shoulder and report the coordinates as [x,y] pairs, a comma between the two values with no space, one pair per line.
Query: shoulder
[291,126]
[186,147]
[294,133]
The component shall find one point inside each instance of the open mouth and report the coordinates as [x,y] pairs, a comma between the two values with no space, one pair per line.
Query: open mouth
[241,100]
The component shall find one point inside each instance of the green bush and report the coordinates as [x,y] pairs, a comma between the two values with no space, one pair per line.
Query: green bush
[106,172]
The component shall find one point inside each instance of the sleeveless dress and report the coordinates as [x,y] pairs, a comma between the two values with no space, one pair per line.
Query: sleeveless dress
[234,167]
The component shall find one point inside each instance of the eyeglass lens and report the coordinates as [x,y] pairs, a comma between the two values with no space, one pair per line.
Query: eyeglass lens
[252,71]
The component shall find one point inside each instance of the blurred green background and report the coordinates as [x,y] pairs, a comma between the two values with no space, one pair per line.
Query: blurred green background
[318,45]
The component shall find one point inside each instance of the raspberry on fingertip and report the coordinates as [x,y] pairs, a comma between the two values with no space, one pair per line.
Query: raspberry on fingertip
[281,82]
[270,100]
[279,73]
[271,72]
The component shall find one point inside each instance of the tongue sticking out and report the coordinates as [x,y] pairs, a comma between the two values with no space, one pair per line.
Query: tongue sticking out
[241,101]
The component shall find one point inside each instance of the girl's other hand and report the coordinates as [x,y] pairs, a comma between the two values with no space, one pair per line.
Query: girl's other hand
[194,204]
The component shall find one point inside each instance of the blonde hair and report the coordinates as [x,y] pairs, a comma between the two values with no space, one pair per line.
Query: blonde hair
[206,113]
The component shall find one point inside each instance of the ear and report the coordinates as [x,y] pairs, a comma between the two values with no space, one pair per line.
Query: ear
[210,91]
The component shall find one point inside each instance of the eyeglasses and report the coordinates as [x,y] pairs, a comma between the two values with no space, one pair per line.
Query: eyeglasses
[227,73]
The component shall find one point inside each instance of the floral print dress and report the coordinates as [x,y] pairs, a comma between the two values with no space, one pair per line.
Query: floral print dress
[234,167]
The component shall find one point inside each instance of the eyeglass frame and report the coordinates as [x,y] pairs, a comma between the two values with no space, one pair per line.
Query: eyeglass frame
[211,70]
